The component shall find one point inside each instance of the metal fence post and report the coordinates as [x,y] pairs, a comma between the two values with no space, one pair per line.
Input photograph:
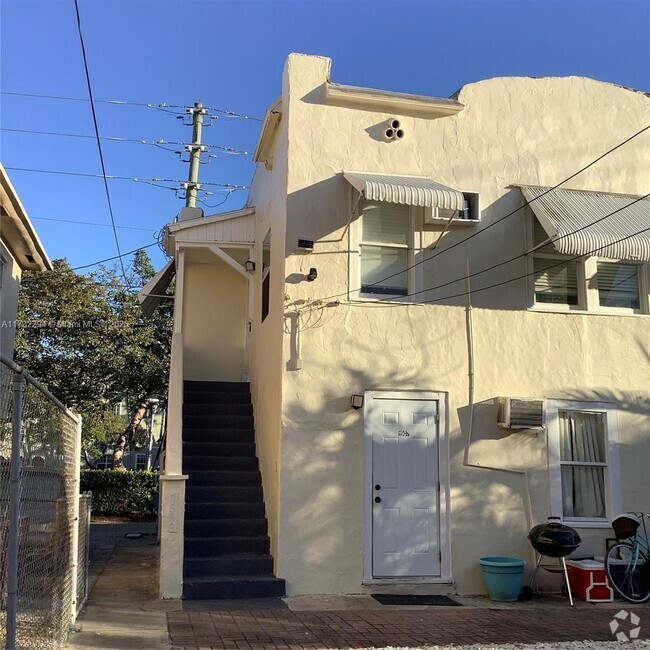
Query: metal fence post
[14,510]
[74,551]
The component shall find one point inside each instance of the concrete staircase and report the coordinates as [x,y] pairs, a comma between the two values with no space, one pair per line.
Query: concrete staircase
[226,541]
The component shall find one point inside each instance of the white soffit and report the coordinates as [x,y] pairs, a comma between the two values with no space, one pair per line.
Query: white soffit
[149,295]
[409,190]
[580,224]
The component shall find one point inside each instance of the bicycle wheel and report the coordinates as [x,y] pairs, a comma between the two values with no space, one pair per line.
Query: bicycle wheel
[628,571]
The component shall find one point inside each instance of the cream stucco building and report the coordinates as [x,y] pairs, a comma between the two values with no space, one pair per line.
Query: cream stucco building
[405,250]
[20,250]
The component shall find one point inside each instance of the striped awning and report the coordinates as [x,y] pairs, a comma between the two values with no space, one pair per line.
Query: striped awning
[616,226]
[152,293]
[408,190]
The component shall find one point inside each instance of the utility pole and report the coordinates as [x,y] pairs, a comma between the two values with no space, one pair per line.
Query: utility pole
[196,148]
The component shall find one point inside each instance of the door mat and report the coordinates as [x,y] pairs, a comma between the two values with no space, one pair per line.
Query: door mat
[404,599]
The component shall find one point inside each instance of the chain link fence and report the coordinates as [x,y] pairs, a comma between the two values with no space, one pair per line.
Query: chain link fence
[39,437]
[83,549]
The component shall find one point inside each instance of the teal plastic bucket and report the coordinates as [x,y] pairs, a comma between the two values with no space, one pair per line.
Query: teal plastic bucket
[503,577]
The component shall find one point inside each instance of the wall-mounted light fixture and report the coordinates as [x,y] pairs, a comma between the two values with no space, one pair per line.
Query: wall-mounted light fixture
[356,401]
[249,265]
[312,275]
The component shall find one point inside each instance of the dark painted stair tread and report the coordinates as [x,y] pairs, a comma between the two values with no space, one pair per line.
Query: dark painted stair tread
[234,527]
[217,421]
[224,510]
[217,410]
[196,493]
[218,478]
[215,434]
[216,397]
[216,386]
[218,448]
[223,587]
[220,463]
[232,565]
[196,547]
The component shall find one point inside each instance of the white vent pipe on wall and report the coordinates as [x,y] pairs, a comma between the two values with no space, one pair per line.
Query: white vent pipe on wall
[393,130]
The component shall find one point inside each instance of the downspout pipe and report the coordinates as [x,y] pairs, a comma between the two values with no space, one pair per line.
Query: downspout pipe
[467,461]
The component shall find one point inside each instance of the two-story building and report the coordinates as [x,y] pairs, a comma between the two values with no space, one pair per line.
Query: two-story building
[402,263]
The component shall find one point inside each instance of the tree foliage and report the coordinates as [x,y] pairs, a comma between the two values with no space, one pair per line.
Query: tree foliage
[87,339]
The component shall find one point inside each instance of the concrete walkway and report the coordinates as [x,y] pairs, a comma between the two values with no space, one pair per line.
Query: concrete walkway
[123,610]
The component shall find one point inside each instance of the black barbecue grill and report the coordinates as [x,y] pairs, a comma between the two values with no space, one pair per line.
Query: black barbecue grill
[554,539]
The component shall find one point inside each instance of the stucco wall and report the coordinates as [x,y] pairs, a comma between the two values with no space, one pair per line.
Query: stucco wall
[10,285]
[214,321]
[268,195]
[511,131]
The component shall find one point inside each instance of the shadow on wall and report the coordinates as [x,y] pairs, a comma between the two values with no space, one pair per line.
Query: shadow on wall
[322,212]
[323,454]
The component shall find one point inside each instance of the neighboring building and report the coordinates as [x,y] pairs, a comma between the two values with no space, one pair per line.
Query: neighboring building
[20,250]
[348,297]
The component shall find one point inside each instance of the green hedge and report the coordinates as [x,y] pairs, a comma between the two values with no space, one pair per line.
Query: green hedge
[120,493]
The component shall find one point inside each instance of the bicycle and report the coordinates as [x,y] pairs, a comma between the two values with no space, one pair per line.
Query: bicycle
[628,561]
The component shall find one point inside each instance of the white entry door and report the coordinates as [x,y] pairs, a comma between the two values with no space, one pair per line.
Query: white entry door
[405,488]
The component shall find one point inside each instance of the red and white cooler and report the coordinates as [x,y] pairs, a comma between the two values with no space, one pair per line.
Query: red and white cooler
[588,581]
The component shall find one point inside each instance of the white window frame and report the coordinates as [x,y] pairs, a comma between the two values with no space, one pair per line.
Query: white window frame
[139,457]
[414,281]
[593,299]
[586,271]
[612,467]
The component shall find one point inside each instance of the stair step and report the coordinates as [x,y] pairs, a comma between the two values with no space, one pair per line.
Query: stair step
[218,435]
[218,422]
[216,386]
[212,397]
[220,463]
[225,527]
[229,565]
[196,547]
[211,478]
[222,587]
[217,410]
[230,494]
[221,510]
[221,449]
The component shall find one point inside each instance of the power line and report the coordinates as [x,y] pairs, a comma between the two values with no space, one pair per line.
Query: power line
[125,178]
[99,143]
[156,143]
[494,223]
[92,223]
[516,257]
[527,275]
[162,106]
[109,259]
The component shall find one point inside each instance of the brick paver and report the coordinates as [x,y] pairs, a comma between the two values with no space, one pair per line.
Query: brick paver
[289,630]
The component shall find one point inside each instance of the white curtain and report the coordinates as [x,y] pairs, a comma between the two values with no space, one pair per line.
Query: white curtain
[582,440]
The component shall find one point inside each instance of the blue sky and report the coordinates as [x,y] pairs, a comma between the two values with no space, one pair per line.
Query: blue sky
[230,56]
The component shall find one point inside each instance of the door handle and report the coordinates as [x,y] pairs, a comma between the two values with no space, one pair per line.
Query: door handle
[378,487]
[377,499]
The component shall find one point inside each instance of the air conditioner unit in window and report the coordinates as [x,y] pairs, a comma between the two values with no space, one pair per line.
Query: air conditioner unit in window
[520,413]
[469,215]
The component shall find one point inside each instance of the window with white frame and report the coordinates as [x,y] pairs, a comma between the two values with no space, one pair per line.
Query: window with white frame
[618,284]
[385,249]
[587,283]
[141,462]
[583,461]
[555,275]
